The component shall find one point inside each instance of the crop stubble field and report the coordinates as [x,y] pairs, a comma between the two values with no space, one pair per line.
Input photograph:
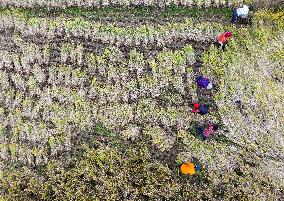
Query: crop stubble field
[99,110]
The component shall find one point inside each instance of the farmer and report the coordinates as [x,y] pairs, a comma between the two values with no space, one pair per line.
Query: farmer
[201,109]
[242,11]
[209,131]
[223,38]
[189,168]
[204,83]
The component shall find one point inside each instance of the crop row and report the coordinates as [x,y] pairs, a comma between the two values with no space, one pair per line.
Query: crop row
[99,3]
[111,65]
[43,29]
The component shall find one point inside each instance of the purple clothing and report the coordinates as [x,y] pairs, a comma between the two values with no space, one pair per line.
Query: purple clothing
[202,82]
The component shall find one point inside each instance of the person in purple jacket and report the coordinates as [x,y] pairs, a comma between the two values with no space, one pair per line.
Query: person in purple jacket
[204,83]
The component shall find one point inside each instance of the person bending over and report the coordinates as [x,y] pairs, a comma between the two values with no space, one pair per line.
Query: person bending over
[204,83]
[242,11]
[200,109]
[223,38]
[208,131]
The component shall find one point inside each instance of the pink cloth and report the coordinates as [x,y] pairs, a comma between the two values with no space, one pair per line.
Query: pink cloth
[209,130]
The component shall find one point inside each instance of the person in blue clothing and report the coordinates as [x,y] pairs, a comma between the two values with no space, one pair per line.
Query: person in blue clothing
[200,109]
[242,11]
[204,83]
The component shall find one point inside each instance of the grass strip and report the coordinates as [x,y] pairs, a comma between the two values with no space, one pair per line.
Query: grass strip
[138,11]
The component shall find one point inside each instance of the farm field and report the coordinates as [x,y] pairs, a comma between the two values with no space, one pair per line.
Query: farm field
[96,100]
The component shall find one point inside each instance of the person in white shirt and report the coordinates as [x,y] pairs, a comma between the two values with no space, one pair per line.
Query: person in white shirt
[242,12]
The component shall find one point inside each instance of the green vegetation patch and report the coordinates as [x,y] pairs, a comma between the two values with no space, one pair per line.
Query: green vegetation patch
[122,12]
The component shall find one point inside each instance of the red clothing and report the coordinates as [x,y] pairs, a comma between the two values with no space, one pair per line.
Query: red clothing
[224,37]
[196,106]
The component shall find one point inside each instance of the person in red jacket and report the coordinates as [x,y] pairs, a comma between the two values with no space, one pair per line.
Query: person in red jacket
[223,38]
[200,109]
